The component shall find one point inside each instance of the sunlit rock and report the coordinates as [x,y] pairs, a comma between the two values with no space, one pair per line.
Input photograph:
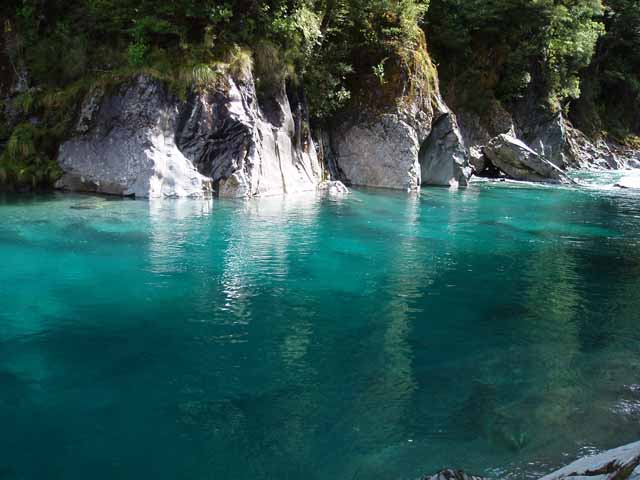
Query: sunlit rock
[618,464]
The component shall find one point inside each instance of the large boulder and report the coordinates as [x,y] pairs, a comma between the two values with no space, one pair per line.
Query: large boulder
[143,141]
[383,153]
[520,162]
[377,141]
[443,156]
[618,464]
[125,146]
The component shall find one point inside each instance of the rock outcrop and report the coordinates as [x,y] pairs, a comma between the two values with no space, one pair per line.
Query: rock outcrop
[443,156]
[520,162]
[381,141]
[246,148]
[383,153]
[621,463]
[618,464]
[125,146]
[143,141]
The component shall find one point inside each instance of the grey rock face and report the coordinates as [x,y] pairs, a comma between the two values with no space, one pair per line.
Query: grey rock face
[144,142]
[477,160]
[379,154]
[247,149]
[443,156]
[549,138]
[520,162]
[601,154]
[618,464]
[126,147]
[400,151]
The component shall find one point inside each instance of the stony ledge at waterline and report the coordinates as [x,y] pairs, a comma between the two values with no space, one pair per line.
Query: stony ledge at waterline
[140,140]
[621,463]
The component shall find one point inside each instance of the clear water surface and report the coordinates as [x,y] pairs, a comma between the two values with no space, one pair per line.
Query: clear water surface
[376,336]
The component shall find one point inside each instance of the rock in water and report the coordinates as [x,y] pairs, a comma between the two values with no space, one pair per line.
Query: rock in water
[383,153]
[452,475]
[333,187]
[377,140]
[145,142]
[443,156]
[518,161]
[126,147]
[618,464]
[248,148]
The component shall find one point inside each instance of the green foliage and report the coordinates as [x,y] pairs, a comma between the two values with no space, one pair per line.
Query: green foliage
[136,53]
[490,50]
[611,84]
[501,47]
[23,162]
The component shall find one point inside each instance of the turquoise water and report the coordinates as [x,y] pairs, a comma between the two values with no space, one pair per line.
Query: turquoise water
[376,336]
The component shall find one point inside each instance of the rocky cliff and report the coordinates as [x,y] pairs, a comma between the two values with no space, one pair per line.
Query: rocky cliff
[141,140]
[138,138]
[399,133]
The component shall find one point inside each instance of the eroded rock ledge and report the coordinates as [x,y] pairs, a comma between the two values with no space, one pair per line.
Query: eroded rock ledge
[621,463]
[143,141]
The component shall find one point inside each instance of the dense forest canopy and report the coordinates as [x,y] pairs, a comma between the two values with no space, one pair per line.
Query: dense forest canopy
[580,55]
[502,45]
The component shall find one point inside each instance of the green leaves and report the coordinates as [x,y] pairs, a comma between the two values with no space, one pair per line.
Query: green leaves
[501,44]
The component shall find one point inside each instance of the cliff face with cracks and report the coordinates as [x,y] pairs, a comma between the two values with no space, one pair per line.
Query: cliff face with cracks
[139,139]
[143,141]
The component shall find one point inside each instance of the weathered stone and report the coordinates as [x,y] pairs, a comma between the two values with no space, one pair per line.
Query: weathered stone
[333,187]
[520,162]
[443,156]
[550,140]
[144,142]
[380,154]
[247,149]
[452,475]
[618,464]
[477,160]
[128,148]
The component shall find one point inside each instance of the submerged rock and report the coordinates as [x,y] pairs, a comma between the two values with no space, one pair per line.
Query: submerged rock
[520,162]
[618,464]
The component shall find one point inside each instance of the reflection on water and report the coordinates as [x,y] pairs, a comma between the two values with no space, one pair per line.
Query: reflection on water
[378,335]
